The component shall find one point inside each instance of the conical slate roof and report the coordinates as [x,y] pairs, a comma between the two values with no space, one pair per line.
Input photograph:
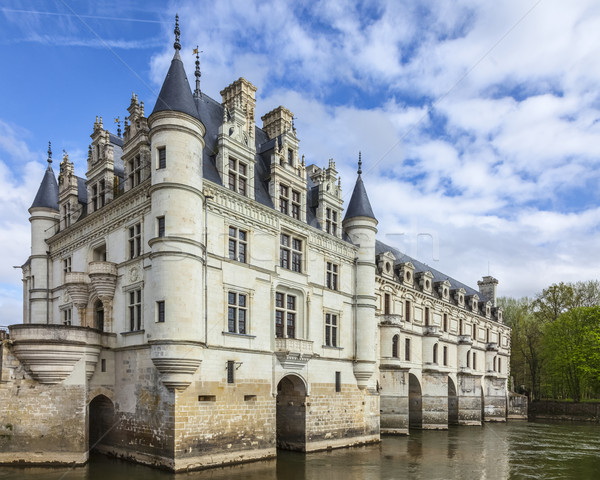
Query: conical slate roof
[359,205]
[47,194]
[175,94]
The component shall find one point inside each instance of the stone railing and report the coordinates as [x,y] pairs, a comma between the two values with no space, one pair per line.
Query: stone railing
[390,319]
[293,353]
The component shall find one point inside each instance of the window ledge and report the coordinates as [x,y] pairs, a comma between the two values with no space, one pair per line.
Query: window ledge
[233,334]
[133,332]
[332,348]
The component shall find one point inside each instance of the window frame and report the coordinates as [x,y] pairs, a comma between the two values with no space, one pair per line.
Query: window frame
[161,157]
[161,311]
[291,252]
[235,311]
[135,310]
[237,246]
[286,314]
[331,336]
[332,275]
[135,240]
[237,180]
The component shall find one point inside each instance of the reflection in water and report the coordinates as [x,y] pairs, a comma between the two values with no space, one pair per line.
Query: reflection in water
[494,451]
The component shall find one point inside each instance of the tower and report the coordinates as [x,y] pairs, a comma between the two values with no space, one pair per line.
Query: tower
[44,219]
[361,226]
[177,246]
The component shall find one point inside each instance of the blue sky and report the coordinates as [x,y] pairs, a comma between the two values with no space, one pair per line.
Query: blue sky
[478,121]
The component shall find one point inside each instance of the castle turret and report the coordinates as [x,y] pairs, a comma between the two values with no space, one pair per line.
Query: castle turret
[361,226]
[44,218]
[177,247]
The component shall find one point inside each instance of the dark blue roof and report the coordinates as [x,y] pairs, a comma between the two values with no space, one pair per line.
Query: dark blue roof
[175,94]
[47,194]
[381,247]
[359,205]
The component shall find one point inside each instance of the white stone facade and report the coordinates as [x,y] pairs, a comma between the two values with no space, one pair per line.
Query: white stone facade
[209,313]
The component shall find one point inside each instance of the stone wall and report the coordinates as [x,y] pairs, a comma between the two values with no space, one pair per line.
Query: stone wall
[41,423]
[517,406]
[335,419]
[565,410]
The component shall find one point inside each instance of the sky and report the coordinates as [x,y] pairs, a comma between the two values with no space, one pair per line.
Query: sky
[478,122]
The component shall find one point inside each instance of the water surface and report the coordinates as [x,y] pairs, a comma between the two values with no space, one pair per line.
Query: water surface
[516,450]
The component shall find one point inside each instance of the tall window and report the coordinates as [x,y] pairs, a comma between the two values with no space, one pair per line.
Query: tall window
[238,176]
[284,200]
[445,355]
[296,204]
[102,193]
[460,327]
[237,244]
[290,253]
[331,221]
[331,330]
[95,197]
[135,310]
[407,349]
[162,157]
[435,353]
[500,364]
[135,240]
[285,315]
[66,267]
[237,312]
[426,315]
[407,310]
[160,226]
[474,361]
[230,371]
[135,171]
[338,381]
[160,311]
[395,340]
[332,276]
[387,304]
[67,316]
[445,324]
[67,214]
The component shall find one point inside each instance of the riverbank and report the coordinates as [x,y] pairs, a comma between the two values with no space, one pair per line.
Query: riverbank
[570,411]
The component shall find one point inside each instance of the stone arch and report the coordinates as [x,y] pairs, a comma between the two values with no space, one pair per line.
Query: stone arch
[101,391]
[452,403]
[291,413]
[415,403]
[101,421]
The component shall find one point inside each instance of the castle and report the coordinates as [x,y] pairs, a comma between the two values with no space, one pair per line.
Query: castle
[202,298]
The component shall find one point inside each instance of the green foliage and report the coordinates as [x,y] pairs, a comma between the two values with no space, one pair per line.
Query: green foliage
[556,341]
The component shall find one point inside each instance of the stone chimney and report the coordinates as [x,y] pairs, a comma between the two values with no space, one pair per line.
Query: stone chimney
[487,288]
[277,121]
[241,94]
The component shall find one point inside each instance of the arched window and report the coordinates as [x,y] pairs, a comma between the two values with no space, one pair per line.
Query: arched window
[499,365]
[395,346]
[435,353]
[494,367]
[468,359]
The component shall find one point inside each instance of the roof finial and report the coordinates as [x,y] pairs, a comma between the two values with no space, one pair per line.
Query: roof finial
[359,163]
[177,45]
[49,153]
[197,92]
[118,122]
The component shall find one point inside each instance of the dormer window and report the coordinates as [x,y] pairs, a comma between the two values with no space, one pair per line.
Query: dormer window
[284,201]
[296,204]
[102,193]
[331,221]
[290,156]
[238,176]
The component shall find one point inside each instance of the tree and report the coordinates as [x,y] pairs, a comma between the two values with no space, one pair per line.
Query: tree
[571,346]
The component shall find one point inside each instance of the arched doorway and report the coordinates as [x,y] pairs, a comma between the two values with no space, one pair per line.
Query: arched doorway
[99,316]
[291,414]
[101,416]
[415,403]
[452,403]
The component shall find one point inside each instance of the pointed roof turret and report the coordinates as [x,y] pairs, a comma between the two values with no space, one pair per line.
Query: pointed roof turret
[176,94]
[47,194]
[359,205]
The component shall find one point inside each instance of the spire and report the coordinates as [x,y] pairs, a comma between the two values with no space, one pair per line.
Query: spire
[177,45]
[359,205]
[47,194]
[197,92]
[175,94]
[359,163]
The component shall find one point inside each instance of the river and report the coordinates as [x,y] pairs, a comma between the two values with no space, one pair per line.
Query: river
[516,450]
